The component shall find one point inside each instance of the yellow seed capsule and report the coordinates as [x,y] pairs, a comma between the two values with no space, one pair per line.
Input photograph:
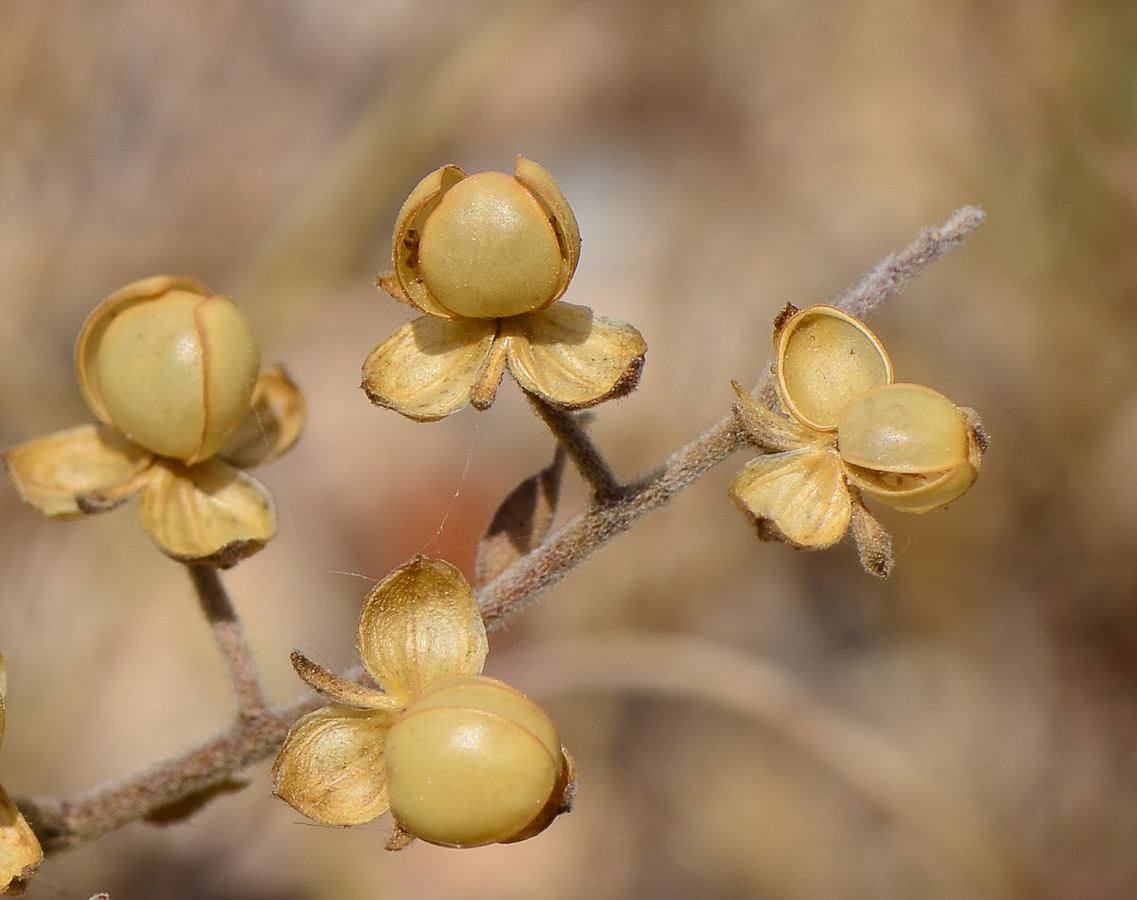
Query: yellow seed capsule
[909,446]
[170,365]
[825,358]
[488,245]
[474,761]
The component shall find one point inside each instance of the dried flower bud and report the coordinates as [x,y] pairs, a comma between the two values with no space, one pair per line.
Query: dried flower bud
[909,446]
[825,358]
[474,761]
[169,365]
[488,245]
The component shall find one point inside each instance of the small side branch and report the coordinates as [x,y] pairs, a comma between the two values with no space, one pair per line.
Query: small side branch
[892,274]
[568,428]
[579,538]
[229,636]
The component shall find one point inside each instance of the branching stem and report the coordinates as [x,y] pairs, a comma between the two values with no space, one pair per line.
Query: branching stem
[177,785]
[521,583]
[569,430]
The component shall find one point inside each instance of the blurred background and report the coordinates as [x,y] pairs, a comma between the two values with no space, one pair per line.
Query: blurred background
[723,158]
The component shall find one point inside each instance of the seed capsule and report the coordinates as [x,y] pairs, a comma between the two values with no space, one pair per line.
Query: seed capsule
[169,365]
[826,358]
[909,446]
[486,245]
[472,762]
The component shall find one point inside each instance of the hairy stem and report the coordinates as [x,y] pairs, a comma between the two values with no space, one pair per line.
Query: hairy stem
[177,785]
[521,583]
[569,430]
[229,636]
[196,772]
[891,275]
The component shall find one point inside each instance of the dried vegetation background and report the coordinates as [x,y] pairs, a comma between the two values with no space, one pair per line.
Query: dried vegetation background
[723,158]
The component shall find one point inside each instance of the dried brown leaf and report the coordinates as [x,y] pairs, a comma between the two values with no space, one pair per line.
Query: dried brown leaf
[522,521]
[184,807]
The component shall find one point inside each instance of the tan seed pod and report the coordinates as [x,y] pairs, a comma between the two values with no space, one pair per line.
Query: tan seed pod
[909,446]
[474,761]
[169,365]
[826,358]
[485,246]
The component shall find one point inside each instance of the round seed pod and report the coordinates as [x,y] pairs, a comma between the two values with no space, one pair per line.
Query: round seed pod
[485,246]
[825,358]
[169,365]
[908,446]
[474,761]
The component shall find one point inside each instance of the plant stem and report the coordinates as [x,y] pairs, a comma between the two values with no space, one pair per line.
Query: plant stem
[568,428]
[196,772]
[229,636]
[619,508]
[177,785]
[891,275]
[521,583]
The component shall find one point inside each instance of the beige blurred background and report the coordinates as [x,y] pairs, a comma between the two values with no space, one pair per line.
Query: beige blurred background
[722,158]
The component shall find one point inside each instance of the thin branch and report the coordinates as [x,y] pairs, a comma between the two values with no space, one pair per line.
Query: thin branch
[230,639]
[568,428]
[578,539]
[198,773]
[892,274]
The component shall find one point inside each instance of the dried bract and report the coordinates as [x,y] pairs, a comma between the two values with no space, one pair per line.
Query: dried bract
[850,431]
[171,371]
[522,521]
[486,257]
[459,759]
